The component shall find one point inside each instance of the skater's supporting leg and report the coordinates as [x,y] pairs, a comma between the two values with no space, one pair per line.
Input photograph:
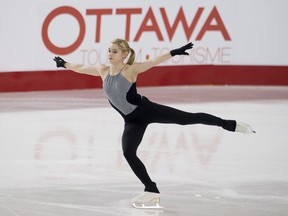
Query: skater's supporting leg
[132,136]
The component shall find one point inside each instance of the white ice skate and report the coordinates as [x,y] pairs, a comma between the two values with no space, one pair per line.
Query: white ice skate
[243,128]
[147,200]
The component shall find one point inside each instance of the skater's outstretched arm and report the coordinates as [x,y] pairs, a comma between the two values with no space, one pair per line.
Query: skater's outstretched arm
[146,65]
[79,68]
[134,69]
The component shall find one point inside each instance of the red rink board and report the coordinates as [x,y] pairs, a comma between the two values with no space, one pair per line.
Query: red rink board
[158,76]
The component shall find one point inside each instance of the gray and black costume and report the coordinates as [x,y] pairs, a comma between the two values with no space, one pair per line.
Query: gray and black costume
[138,112]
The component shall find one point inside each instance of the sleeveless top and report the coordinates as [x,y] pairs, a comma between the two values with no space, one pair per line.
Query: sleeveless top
[121,93]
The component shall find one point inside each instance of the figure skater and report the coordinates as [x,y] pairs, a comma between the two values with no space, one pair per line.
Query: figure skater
[119,84]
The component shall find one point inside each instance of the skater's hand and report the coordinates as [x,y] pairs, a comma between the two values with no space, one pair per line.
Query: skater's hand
[182,50]
[59,61]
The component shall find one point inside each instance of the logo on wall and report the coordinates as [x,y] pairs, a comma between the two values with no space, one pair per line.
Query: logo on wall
[213,23]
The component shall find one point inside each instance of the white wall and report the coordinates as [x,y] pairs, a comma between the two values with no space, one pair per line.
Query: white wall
[257,29]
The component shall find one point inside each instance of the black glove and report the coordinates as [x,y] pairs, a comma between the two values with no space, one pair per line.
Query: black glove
[59,61]
[181,50]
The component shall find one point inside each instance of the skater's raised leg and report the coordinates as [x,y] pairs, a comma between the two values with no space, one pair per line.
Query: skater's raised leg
[157,113]
[164,114]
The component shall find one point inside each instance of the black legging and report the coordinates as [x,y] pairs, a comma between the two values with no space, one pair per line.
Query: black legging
[149,112]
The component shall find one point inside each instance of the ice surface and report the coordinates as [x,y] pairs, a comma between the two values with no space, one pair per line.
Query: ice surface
[61,154]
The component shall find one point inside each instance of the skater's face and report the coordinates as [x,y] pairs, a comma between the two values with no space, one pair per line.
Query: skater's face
[115,55]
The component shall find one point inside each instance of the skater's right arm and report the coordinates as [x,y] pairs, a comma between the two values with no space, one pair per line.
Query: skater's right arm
[84,69]
[79,68]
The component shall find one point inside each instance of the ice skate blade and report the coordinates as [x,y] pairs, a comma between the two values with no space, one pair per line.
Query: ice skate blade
[142,206]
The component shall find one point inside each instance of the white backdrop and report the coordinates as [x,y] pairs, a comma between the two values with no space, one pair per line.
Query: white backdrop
[238,32]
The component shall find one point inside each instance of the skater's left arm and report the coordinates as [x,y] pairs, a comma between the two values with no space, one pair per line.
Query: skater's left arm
[146,65]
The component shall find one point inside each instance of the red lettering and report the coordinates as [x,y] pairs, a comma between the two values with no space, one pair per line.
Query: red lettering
[219,26]
[180,18]
[58,11]
[98,13]
[149,24]
[128,12]
[153,27]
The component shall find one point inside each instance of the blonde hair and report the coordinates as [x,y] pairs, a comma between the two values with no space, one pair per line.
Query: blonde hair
[124,47]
